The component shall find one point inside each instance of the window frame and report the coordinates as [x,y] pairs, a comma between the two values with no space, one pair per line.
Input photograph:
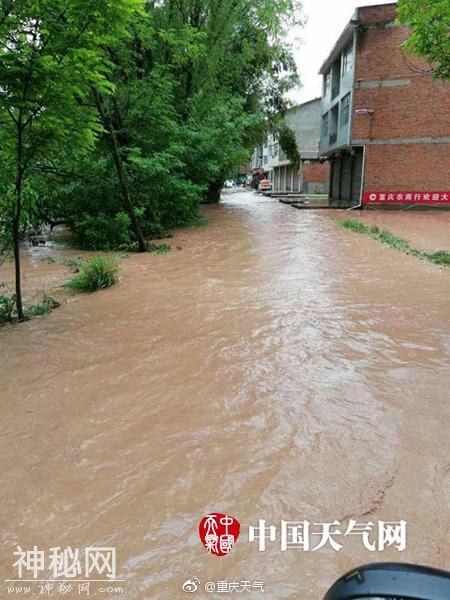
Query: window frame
[327,84]
[347,59]
[325,124]
[344,114]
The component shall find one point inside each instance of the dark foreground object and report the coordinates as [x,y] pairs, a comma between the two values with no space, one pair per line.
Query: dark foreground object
[392,581]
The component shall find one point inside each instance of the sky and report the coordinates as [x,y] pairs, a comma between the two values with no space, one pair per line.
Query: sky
[325,21]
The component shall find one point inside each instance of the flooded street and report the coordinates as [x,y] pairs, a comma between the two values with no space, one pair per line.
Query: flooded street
[275,367]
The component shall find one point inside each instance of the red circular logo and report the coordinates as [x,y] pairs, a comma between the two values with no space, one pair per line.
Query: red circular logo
[219,533]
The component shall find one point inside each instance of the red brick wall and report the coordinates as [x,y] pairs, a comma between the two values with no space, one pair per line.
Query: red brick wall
[378,14]
[316,172]
[407,167]
[421,109]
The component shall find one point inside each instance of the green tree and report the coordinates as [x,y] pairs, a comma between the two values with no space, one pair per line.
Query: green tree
[140,153]
[244,61]
[190,87]
[288,144]
[429,21]
[107,121]
[51,56]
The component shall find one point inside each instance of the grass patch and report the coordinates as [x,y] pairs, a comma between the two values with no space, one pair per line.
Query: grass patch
[74,264]
[200,221]
[386,237]
[440,258]
[149,247]
[159,248]
[8,308]
[355,225]
[42,308]
[96,274]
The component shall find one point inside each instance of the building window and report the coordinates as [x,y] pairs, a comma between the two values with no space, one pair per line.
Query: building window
[335,78]
[266,159]
[325,125]
[334,120]
[326,84]
[345,110]
[347,60]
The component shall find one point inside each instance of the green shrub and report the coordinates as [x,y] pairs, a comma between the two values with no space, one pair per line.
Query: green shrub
[95,274]
[164,196]
[7,308]
[101,231]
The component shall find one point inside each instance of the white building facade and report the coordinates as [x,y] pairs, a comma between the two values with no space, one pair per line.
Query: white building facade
[305,122]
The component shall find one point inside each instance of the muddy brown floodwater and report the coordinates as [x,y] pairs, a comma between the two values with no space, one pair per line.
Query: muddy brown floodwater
[277,367]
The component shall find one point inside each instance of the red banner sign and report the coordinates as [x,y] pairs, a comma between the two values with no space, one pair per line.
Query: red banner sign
[407,197]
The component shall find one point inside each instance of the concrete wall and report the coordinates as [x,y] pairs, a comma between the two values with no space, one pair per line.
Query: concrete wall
[304,120]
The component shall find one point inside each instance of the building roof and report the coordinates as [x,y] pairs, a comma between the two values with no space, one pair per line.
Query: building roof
[346,36]
[342,41]
[297,106]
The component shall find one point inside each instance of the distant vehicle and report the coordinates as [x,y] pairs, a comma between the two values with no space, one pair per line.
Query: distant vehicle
[265,185]
[228,183]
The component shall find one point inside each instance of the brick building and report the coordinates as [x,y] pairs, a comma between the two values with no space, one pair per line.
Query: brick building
[385,121]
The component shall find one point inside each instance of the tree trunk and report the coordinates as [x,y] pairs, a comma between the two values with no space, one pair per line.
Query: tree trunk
[126,198]
[121,174]
[16,220]
[212,194]
[16,234]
